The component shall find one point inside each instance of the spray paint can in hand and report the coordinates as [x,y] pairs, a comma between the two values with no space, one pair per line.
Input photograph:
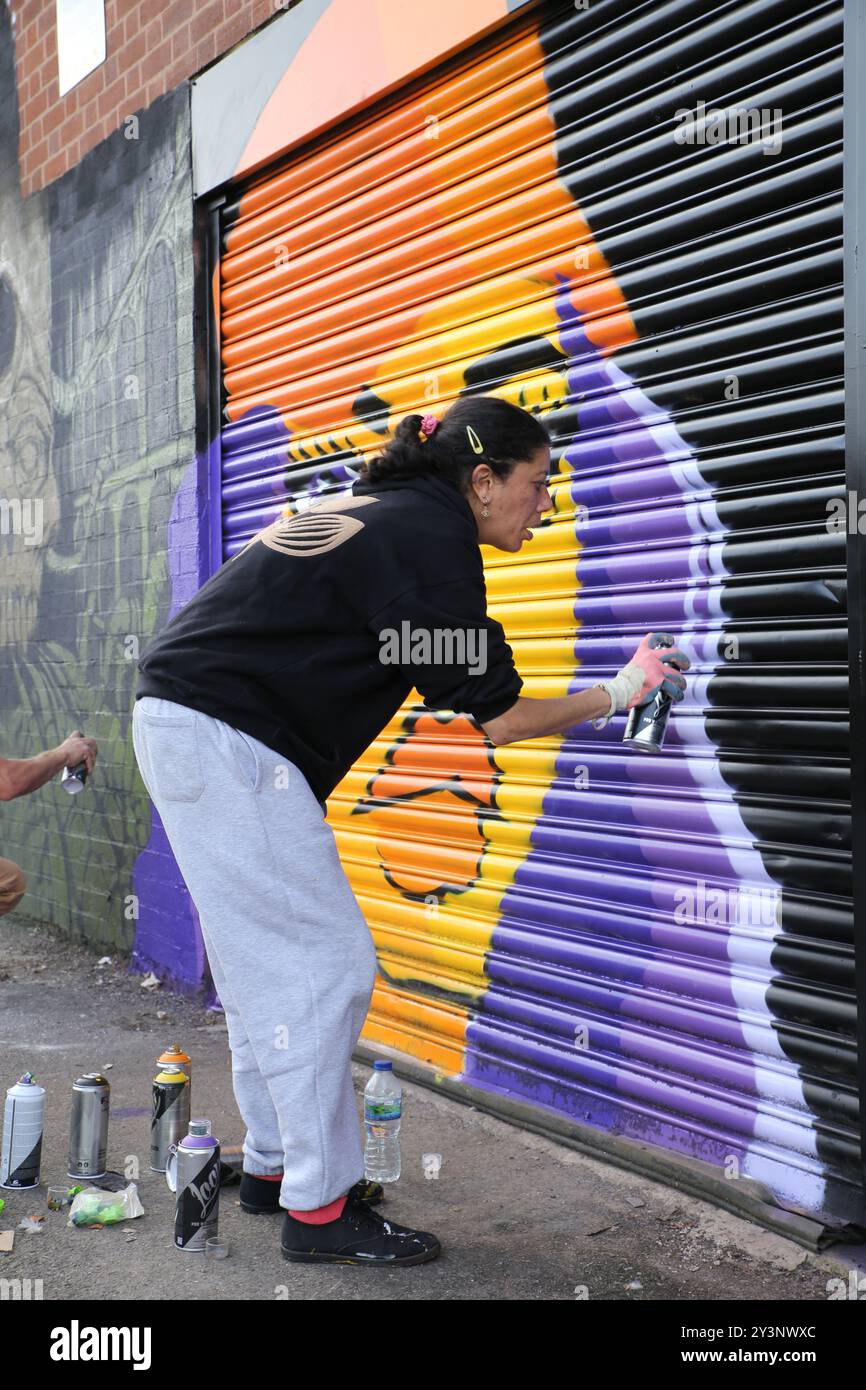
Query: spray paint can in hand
[646,724]
[21,1149]
[88,1129]
[73,778]
[170,1116]
[193,1174]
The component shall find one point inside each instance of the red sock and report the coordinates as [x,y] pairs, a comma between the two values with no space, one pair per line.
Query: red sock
[320,1215]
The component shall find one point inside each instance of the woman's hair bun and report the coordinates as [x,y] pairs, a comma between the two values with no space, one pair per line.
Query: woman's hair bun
[408,429]
[507,433]
[407,454]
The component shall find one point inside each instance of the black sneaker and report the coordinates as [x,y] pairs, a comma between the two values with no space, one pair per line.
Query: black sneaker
[358,1237]
[262,1197]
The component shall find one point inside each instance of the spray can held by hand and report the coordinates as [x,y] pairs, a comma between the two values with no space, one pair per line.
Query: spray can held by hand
[646,724]
[73,778]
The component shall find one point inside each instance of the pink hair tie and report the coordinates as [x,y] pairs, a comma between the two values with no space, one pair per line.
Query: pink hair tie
[428,425]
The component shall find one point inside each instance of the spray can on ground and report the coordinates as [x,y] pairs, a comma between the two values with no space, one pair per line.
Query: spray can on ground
[646,724]
[21,1148]
[88,1128]
[175,1059]
[170,1114]
[193,1174]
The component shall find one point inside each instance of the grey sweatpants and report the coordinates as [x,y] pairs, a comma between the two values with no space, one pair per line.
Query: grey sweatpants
[289,950]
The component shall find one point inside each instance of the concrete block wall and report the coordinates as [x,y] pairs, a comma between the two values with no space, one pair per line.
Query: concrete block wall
[98,437]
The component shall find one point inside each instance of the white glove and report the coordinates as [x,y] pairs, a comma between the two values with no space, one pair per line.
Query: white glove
[627,683]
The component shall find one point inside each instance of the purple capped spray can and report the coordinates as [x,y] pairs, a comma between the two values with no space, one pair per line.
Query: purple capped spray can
[21,1147]
[193,1174]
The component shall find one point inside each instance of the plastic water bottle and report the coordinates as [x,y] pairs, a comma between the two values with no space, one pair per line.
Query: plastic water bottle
[383,1104]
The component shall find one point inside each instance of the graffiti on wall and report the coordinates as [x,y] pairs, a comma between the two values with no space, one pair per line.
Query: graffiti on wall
[617,939]
[94,273]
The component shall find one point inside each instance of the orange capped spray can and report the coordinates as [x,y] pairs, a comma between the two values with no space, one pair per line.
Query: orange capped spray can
[173,1058]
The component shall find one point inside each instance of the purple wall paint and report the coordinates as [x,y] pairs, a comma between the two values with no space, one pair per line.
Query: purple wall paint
[168,937]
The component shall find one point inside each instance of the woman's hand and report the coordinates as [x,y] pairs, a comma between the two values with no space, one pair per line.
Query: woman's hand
[660,661]
[652,668]
[655,666]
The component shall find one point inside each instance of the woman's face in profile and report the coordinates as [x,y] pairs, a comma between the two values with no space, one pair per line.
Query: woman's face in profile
[516,502]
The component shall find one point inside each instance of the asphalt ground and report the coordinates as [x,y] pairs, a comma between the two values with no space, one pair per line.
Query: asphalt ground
[519,1216]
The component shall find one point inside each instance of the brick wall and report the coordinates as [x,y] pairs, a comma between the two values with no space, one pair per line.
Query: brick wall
[151,47]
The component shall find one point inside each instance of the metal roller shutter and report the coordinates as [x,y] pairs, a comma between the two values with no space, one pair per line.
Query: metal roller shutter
[659,948]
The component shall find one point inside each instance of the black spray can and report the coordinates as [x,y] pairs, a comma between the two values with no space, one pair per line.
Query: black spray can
[193,1174]
[646,724]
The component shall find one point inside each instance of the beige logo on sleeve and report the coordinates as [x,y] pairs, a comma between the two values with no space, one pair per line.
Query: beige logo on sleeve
[314,531]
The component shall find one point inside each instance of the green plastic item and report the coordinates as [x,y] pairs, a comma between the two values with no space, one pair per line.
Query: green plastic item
[92,1207]
[93,1211]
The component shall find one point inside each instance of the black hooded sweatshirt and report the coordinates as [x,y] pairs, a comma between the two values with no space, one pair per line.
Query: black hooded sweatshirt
[301,638]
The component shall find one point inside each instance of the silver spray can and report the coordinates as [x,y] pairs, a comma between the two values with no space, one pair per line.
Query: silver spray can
[646,724]
[21,1148]
[73,778]
[193,1174]
[88,1128]
[170,1115]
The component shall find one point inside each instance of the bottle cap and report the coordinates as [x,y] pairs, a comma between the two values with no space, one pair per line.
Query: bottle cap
[382,1066]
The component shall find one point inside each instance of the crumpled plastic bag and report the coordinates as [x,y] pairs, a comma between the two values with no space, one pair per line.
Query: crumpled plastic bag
[31,1223]
[92,1207]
